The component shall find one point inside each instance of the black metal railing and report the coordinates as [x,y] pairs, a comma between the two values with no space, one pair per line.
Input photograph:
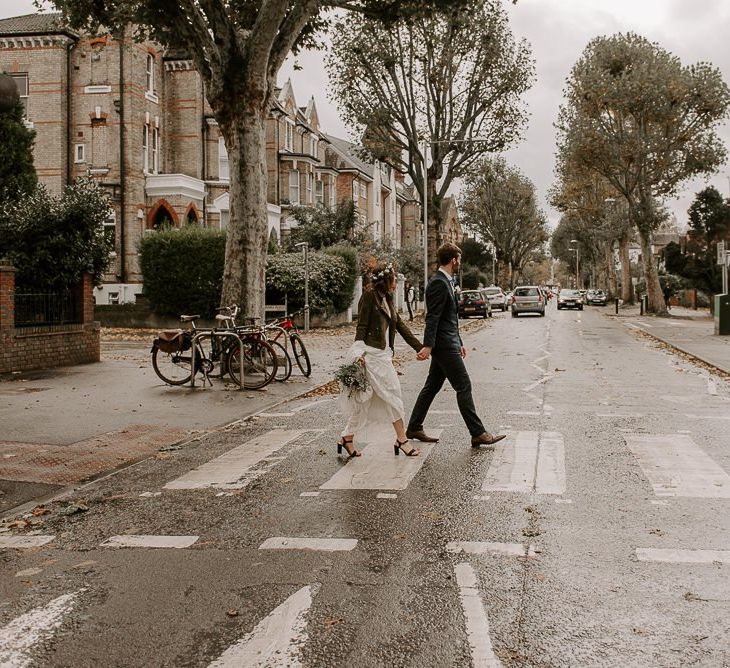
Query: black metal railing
[42,309]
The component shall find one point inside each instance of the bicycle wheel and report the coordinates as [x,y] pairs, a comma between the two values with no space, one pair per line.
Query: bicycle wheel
[301,355]
[283,362]
[209,356]
[172,368]
[258,364]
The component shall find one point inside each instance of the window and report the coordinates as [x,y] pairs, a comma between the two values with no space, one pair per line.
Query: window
[333,192]
[145,148]
[225,216]
[313,145]
[294,186]
[363,190]
[355,191]
[114,298]
[21,81]
[80,153]
[155,161]
[110,231]
[289,139]
[150,73]
[310,183]
[224,173]
[319,193]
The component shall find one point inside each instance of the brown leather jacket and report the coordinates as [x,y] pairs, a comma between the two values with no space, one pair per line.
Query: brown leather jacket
[373,320]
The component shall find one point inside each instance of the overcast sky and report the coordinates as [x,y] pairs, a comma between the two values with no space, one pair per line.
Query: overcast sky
[558,31]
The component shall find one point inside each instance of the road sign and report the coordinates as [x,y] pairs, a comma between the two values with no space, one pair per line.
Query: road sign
[721,253]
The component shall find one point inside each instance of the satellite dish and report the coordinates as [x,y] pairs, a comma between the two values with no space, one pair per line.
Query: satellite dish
[9,96]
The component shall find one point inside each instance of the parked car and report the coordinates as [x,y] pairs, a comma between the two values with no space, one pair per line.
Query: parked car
[528,299]
[583,295]
[473,302]
[570,299]
[496,298]
[597,297]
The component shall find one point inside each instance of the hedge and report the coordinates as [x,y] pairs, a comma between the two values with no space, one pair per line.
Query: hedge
[183,270]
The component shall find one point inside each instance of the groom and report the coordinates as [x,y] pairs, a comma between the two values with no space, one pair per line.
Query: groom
[442,342]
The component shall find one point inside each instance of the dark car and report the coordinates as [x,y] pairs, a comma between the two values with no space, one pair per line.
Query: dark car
[597,297]
[570,299]
[473,302]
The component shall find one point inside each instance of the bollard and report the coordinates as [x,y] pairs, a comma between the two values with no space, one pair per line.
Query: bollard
[641,306]
[616,305]
[646,304]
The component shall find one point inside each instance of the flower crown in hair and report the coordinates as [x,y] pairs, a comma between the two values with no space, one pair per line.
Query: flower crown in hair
[385,272]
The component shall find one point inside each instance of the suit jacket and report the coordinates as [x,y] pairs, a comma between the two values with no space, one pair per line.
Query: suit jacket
[373,320]
[442,315]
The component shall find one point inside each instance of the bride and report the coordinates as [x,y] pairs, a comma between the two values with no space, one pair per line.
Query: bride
[377,319]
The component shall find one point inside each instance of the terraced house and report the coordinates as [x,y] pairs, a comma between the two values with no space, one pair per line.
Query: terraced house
[135,118]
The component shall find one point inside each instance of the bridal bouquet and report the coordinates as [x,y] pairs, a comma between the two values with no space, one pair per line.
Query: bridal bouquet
[353,379]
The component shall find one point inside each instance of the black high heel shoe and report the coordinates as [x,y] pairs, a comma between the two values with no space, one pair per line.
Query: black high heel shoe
[398,448]
[347,444]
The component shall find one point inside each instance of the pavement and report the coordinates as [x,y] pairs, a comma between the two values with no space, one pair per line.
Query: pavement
[689,331]
[596,534]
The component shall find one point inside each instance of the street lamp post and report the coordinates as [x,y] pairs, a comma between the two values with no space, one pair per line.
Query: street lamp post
[305,249]
[577,262]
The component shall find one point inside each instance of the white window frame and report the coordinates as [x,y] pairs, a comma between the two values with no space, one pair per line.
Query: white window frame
[294,185]
[333,191]
[289,136]
[146,148]
[355,191]
[23,98]
[155,162]
[224,170]
[150,67]
[310,187]
[79,153]
[111,223]
[363,190]
[319,192]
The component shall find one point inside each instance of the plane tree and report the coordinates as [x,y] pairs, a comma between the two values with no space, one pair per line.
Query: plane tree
[637,116]
[238,47]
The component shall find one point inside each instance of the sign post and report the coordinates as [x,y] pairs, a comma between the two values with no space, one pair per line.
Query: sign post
[722,260]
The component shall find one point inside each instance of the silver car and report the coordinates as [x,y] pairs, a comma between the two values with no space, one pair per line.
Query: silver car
[528,299]
[496,298]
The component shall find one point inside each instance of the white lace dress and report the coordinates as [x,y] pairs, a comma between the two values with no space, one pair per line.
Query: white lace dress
[370,415]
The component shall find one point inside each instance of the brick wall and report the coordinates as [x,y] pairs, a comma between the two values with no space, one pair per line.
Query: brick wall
[24,349]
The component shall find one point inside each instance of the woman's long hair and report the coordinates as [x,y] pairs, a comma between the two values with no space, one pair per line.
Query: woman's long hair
[380,277]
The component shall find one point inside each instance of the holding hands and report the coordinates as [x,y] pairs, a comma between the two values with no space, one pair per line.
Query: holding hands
[424,353]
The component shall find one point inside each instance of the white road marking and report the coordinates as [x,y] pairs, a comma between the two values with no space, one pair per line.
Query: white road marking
[275,415]
[567,501]
[542,380]
[310,544]
[483,547]
[380,469]
[175,542]
[477,622]
[310,494]
[676,466]
[19,637]
[148,495]
[385,495]
[708,417]
[711,387]
[526,413]
[312,404]
[620,415]
[533,462]
[23,542]
[235,469]
[657,502]
[683,556]
[276,640]
[444,412]
[481,497]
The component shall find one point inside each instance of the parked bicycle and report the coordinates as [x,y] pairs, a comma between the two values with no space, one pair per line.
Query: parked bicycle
[285,327]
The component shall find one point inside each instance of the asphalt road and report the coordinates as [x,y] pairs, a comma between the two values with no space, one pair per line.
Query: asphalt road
[597,534]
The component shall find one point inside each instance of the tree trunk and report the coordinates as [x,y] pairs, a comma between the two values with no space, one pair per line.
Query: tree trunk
[435,225]
[653,287]
[627,287]
[612,288]
[246,244]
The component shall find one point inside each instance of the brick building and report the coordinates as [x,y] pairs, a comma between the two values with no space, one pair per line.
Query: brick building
[135,118]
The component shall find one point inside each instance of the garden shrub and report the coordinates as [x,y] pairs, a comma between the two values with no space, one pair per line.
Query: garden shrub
[343,300]
[183,270]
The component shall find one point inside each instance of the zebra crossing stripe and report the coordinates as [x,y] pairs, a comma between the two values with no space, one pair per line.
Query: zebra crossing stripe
[676,466]
[233,470]
[484,547]
[311,544]
[683,556]
[19,637]
[533,462]
[175,542]
[275,642]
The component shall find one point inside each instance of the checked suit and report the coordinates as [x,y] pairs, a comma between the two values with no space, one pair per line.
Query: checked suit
[442,336]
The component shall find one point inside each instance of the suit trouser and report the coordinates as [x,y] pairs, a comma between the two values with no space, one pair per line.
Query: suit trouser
[447,365]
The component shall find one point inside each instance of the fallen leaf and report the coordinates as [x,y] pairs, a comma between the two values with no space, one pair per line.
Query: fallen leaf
[40,510]
[232,612]
[657,532]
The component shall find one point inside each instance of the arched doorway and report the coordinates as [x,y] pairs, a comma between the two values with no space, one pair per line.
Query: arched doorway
[161,216]
[191,215]
[273,241]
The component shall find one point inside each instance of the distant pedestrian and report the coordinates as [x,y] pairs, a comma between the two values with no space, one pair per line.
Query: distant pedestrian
[410,299]
[668,294]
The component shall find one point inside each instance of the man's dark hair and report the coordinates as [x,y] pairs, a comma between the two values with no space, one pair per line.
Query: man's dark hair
[447,252]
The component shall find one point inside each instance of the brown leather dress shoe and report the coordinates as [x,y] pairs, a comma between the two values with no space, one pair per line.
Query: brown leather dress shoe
[486,439]
[421,436]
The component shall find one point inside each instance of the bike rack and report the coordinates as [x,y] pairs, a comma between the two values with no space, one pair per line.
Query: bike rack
[221,334]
